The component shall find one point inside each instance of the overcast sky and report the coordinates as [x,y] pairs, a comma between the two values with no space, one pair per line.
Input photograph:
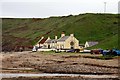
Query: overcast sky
[47,8]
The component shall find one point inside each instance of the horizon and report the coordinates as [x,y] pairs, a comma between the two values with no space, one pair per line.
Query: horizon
[48,8]
[5,17]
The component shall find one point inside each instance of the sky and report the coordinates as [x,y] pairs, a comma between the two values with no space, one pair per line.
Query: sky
[47,8]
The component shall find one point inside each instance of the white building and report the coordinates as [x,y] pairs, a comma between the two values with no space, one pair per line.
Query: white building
[90,43]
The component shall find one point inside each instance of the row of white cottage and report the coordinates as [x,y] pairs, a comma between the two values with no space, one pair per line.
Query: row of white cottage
[64,42]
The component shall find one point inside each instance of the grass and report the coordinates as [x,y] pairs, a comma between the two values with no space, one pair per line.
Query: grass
[60,53]
[107,57]
[76,55]
[108,43]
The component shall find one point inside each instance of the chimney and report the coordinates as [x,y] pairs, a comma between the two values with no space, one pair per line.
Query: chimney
[42,37]
[63,34]
[55,37]
[48,38]
[72,35]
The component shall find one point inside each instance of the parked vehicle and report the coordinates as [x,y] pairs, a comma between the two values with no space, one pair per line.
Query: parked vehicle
[86,51]
[71,50]
[35,48]
[96,51]
[74,50]
[105,52]
[57,51]
[114,52]
[77,50]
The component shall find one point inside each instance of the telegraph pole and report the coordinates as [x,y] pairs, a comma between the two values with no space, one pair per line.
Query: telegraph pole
[105,3]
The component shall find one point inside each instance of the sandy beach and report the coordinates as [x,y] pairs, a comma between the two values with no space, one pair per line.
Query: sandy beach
[50,62]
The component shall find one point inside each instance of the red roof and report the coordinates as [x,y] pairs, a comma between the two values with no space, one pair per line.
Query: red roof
[43,40]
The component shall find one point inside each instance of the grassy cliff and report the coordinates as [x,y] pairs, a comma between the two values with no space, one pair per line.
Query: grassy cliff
[86,27]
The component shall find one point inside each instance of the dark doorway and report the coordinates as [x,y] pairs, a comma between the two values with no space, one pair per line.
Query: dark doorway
[72,47]
[48,46]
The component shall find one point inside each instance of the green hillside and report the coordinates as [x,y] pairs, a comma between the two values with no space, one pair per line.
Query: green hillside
[108,43]
[86,27]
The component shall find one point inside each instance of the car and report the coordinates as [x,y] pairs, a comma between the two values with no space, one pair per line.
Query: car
[96,51]
[86,51]
[105,52]
[35,48]
[116,52]
[59,50]
[71,50]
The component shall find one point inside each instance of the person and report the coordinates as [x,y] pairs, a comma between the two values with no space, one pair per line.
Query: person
[21,49]
[35,48]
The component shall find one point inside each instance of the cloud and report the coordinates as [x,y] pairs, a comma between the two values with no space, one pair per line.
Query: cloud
[46,8]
